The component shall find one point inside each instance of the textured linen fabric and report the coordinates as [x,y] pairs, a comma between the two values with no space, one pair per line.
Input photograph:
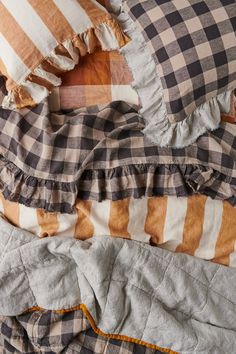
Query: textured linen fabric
[48,332]
[100,78]
[172,301]
[48,160]
[197,225]
[183,57]
[40,40]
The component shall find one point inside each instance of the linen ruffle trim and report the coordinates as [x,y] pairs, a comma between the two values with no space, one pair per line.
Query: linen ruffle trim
[37,86]
[134,181]
[158,128]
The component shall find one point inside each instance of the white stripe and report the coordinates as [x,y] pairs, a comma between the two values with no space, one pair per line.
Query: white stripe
[28,220]
[96,3]
[99,216]
[16,69]
[175,220]
[66,224]
[124,93]
[106,37]
[211,229]
[137,218]
[75,15]
[32,24]
[1,207]
[232,262]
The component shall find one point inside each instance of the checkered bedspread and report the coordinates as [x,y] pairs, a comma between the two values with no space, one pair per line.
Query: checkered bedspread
[47,332]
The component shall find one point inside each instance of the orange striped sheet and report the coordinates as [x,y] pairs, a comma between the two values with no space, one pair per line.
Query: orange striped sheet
[197,225]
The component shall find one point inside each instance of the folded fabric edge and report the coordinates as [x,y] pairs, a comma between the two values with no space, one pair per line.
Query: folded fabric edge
[87,314]
[164,179]
[107,35]
[159,129]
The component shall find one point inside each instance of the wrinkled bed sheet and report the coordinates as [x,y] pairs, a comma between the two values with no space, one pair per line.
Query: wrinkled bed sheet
[198,225]
[170,300]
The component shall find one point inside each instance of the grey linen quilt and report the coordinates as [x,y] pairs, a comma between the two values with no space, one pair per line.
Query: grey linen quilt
[170,300]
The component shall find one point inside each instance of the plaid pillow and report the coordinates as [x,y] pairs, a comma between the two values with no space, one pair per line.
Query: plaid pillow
[183,57]
[39,40]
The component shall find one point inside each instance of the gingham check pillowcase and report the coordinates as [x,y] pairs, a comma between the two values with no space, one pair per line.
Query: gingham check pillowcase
[183,58]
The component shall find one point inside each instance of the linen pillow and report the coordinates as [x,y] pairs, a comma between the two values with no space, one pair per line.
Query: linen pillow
[183,58]
[41,39]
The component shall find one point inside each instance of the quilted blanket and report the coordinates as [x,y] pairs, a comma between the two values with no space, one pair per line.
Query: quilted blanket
[126,289]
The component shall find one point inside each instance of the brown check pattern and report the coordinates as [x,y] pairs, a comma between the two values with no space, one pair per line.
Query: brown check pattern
[47,332]
[100,78]
[193,44]
[49,160]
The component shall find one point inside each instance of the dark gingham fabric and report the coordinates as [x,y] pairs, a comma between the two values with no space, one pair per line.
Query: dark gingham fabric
[46,332]
[193,43]
[49,160]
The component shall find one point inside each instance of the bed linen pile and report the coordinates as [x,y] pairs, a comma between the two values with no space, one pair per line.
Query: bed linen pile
[109,242]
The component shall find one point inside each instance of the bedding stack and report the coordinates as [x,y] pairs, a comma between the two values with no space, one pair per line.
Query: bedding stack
[118,176]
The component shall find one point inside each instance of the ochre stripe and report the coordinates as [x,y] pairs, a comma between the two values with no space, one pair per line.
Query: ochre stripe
[84,228]
[18,39]
[227,236]
[50,67]
[156,218]
[53,19]
[193,226]
[3,69]
[22,98]
[119,218]
[61,50]
[48,222]
[41,82]
[11,211]
[95,14]
[102,2]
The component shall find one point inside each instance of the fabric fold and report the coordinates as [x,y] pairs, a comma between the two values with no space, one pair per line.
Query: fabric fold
[133,181]
[175,302]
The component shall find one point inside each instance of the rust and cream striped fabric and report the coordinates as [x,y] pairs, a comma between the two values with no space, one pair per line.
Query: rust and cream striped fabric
[196,225]
[41,39]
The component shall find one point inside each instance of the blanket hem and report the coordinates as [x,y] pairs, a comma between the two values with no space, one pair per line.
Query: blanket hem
[92,322]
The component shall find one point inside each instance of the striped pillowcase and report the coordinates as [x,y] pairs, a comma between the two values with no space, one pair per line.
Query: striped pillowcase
[41,39]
